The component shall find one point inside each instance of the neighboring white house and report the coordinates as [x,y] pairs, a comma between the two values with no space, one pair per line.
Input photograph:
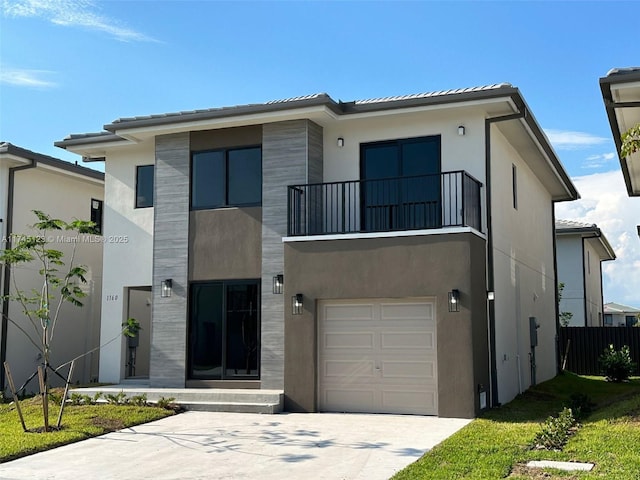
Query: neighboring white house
[32,181]
[581,248]
[385,255]
[618,315]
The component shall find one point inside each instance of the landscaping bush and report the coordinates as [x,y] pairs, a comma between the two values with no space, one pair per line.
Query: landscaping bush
[617,365]
[581,405]
[555,431]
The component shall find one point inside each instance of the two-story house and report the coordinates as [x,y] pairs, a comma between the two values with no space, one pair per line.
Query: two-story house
[581,248]
[33,181]
[385,255]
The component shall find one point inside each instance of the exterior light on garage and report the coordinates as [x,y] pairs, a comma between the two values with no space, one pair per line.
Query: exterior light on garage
[165,288]
[296,304]
[491,296]
[454,300]
[278,283]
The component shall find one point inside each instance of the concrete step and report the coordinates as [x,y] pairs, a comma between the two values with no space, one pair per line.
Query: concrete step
[203,399]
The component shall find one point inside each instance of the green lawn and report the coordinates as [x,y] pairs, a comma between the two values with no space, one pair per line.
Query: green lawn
[494,445]
[78,423]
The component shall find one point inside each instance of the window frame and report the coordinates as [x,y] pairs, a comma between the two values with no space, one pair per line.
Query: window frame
[227,204]
[514,185]
[153,186]
[100,223]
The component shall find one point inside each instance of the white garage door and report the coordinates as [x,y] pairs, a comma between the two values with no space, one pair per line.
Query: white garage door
[378,356]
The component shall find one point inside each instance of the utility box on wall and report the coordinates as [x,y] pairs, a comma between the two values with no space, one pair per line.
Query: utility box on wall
[533,331]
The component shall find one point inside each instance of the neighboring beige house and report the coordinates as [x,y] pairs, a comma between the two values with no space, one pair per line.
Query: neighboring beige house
[618,315]
[32,181]
[621,95]
[581,248]
[390,255]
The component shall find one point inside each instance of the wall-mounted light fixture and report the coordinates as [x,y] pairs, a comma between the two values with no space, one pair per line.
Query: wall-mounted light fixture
[491,296]
[340,142]
[278,283]
[454,300]
[461,130]
[166,287]
[296,304]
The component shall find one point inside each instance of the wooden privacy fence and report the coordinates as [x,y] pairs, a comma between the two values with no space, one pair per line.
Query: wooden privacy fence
[588,343]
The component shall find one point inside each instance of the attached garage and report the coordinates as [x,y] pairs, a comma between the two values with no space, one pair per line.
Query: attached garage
[378,356]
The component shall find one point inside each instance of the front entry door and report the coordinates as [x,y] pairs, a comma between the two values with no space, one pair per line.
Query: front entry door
[224,330]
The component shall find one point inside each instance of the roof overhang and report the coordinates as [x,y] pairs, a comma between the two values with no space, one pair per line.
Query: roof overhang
[621,95]
[594,236]
[495,100]
[17,156]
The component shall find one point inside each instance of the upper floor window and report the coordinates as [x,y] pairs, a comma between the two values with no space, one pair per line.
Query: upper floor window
[144,186]
[96,215]
[226,178]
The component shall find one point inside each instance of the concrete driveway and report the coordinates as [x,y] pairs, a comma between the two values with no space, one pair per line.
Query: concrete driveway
[205,445]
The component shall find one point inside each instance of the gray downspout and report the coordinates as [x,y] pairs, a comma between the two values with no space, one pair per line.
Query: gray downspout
[585,272]
[7,271]
[556,307]
[490,274]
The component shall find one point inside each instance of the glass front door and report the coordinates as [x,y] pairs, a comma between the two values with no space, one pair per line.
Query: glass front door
[224,330]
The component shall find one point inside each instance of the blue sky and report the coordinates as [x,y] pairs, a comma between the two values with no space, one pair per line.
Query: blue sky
[71,66]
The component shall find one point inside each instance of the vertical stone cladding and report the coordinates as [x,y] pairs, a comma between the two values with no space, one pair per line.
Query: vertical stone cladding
[291,155]
[170,261]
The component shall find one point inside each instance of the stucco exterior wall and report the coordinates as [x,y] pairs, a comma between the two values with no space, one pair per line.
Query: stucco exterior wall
[66,197]
[524,271]
[593,284]
[128,263]
[571,273]
[401,267]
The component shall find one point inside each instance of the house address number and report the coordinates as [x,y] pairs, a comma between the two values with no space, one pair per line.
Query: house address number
[112,298]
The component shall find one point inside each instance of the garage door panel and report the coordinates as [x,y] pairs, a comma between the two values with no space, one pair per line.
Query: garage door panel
[410,339]
[349,399]
[420,371]
[349,340]
[348,369]
[378,356]
[407,401]
[406,311]
[352,312]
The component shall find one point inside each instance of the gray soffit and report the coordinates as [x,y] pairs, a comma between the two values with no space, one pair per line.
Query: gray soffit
[10,149]
[617,76]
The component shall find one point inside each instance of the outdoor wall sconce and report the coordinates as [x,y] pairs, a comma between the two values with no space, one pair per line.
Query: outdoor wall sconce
[165,288]
[296,304]
[278,283]
[340,142]
[491,296]
[454,300]
[461,130]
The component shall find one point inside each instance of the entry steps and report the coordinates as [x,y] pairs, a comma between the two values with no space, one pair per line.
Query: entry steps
[238,400]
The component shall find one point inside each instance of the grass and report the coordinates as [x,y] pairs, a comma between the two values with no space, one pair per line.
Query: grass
[499,443]
[78,423]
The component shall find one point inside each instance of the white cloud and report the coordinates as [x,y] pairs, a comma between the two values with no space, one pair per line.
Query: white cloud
[605,202]
[567,140]
[598,161]
[72,13]
[26,78]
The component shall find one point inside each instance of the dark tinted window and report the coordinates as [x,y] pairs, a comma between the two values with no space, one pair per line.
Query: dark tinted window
[144,186]
[231,177]
[96,215]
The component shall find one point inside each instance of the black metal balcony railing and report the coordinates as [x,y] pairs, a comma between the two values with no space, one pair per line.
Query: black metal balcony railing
[449,199]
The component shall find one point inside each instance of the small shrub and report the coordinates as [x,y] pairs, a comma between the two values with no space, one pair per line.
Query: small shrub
[119,398]
[581,405]
[97,396]
[139,400]
[555,431]
[617,365]
[165,402]
[76,398]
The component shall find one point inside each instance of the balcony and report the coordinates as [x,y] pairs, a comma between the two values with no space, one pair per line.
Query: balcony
[450,199]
